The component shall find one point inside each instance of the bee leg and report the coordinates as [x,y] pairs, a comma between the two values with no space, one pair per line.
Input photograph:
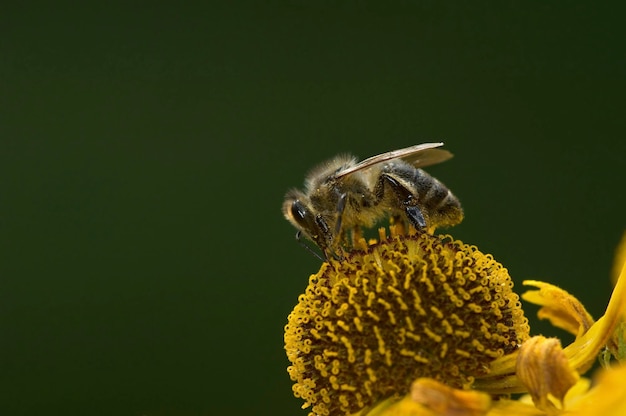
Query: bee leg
[329,243]
[415,216]
[406,198]
[339,236]
[341,206]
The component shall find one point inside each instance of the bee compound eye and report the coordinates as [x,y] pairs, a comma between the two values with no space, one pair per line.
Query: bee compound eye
[298,211]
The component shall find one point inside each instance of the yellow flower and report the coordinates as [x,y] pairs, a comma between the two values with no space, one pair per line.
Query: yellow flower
[424,325]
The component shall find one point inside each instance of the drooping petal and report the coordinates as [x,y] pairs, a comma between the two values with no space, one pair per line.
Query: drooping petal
[619,259]
[559,307]
[447,401]
[432,398]
[543,368]
[583,351]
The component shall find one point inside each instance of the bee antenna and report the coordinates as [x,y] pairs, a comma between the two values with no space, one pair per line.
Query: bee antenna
[306,246]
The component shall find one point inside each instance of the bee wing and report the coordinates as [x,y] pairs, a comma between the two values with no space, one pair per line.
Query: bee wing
[428,157]
[419,155]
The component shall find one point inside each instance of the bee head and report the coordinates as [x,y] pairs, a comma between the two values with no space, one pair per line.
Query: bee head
[297,210]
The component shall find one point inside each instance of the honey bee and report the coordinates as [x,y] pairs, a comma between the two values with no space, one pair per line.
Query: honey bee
[344,194]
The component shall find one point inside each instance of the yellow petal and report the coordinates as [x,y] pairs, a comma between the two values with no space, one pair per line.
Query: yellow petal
[514,408]
[432,398]
[559,307]
[619,260]
[404,407]
[447,401]
[583,351]
[542,366]
[606,398]
[617,344]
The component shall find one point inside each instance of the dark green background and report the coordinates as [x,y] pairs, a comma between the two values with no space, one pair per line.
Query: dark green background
[145,266]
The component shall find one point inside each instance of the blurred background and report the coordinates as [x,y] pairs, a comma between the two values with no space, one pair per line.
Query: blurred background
[145,266]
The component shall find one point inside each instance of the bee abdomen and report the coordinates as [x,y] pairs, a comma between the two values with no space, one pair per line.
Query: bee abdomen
[440,204]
